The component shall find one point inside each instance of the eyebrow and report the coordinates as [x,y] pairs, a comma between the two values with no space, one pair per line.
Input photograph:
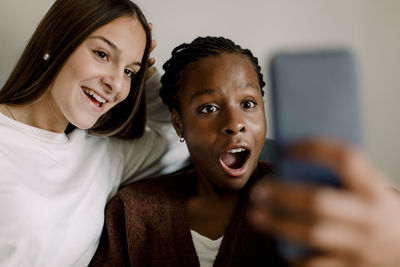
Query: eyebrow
[250,85]
[206,91]
[209,91]
[114,47]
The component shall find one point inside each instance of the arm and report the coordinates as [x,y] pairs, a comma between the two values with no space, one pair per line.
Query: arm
[158,151]
[353,226]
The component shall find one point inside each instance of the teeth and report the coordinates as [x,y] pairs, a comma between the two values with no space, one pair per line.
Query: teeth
[236,150]
[95,96]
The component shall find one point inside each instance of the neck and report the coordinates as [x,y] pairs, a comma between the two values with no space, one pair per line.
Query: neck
[210,209]
[207,190]
[41,114]
[6,110]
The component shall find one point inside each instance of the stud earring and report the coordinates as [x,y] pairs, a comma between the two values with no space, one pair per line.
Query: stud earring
[46,56]
[182,139]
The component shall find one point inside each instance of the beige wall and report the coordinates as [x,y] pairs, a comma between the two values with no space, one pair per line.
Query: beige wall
[368,27]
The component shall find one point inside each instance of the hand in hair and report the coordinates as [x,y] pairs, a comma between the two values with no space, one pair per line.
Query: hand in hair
[151,70]
[152,59]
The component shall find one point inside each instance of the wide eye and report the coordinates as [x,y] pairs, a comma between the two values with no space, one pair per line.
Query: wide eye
[209,109]
[248,104]
[129,73]
[101,54]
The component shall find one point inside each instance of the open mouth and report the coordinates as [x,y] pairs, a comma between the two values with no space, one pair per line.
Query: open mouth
[235,158]
[94,97]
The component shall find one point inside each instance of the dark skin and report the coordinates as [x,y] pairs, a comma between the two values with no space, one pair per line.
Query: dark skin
[221,112]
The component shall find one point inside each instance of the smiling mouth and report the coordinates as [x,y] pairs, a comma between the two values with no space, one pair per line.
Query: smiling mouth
[94,97]
[235,158]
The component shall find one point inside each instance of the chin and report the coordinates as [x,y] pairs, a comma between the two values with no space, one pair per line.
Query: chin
[83,125]
[236,183]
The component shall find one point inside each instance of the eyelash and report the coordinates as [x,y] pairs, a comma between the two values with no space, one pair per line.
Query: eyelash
[101,54]
[249,101]
[203,109]
[104,56]
[131,73]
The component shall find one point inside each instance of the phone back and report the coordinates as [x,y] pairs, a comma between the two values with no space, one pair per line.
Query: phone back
[313,94]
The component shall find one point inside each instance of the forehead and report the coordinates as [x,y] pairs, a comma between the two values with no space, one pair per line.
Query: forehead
[224,72]
[126,33]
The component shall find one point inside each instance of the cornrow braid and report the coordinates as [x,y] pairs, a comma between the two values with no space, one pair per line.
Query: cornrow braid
[200,48]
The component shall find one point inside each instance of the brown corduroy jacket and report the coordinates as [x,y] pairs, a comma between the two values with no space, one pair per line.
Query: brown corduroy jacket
[147,225]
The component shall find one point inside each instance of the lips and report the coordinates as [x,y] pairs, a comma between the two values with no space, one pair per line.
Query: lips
[94,97]
[234,159]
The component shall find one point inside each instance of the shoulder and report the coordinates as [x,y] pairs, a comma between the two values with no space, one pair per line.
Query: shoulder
[83,135]
[81,138]
[85,141]
[157,189]
[150,200]
[150,143]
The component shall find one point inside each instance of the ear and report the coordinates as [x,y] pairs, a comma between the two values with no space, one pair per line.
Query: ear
[177,122]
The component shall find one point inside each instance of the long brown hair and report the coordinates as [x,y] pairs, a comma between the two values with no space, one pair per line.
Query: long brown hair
[65,26]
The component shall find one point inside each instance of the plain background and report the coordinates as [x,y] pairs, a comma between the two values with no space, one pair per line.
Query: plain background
[369,28]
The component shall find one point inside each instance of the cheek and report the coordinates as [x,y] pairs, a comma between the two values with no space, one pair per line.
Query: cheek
[74,70]
[69,78]
[198,134]
[200,151]
[262,125]
[193,138]
[119,97]
[260,132]
[123,94]
[61,86]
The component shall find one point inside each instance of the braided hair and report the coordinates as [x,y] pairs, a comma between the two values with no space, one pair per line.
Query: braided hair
[200,48]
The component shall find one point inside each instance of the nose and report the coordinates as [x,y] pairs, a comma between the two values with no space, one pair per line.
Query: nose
[232,122]
[113,79]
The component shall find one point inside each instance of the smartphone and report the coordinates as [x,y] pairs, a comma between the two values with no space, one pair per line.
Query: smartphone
[313,94]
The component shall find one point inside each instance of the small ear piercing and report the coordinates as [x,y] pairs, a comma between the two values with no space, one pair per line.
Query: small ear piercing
[46,56]
[181,139]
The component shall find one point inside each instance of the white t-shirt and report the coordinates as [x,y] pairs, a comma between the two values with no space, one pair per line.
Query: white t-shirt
[54,187]
[206,248]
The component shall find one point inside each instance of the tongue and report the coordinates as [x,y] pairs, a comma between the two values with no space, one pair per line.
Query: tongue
[231,160]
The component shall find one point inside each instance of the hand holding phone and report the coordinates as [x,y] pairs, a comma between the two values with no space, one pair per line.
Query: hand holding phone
[314,94]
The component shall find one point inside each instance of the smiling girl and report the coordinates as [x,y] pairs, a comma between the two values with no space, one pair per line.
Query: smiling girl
[74,95]
[197,218]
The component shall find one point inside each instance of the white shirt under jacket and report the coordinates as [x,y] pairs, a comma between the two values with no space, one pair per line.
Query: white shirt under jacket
[54,187]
